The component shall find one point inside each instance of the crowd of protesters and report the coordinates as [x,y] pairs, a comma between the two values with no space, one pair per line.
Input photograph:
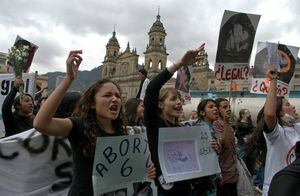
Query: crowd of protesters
[258,150]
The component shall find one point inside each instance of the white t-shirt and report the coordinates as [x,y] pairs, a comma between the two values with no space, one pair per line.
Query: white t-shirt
[281,144]
[144,87]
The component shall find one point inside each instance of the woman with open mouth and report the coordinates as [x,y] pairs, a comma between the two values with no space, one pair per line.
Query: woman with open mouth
[163,107]
[98,114]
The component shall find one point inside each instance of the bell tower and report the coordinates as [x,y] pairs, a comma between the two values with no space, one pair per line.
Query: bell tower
[156,51]
[110,59]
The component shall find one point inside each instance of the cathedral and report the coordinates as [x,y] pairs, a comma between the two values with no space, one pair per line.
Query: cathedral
[122,67]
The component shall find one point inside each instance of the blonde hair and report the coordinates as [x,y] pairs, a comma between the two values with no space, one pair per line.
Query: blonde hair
[163,94]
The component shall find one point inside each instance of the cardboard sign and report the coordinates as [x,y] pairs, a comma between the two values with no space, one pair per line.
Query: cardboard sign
[186,153]
[32,164]
[235,44]
[278,56]
[119,161]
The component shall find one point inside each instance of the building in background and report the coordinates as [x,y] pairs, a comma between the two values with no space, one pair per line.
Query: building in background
[122,67]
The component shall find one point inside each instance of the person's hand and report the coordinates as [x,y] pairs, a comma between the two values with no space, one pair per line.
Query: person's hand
[45,88]
[191,56]
[272,73]
[226,116]
[151,172]
[18,81]
[215,145]
[73,62]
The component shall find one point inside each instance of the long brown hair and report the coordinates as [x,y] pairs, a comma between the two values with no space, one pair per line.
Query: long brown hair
[255,142]
[92,126]
[130,115]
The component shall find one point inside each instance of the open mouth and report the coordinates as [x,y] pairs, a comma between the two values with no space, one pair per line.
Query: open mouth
[114,108]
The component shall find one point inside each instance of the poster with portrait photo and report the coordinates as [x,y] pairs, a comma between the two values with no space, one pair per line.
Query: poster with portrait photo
[182,83]
[279,56]
[236,37]
[235,44]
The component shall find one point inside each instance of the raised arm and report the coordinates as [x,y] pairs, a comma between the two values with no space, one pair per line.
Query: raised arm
[271,101]
[44,121]
[152,92]
[228,135]
[7,114]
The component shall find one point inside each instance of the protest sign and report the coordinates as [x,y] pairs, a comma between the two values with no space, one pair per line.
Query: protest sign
[6,84]
[183,82]
[235,44]
[32,164]
[278,56]
[119,161]
[185,153]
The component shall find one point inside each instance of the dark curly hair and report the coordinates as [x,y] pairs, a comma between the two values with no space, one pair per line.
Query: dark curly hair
[92,125]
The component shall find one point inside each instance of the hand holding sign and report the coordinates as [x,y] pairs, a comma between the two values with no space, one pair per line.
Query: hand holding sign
[151,174]
[272,74]
[18,82]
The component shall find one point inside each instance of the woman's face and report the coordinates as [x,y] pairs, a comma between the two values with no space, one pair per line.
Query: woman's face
[287,108]
[171,106]
[210,113]
[107,102]
[26,105]
[224,109]
[246,114]
[140,110]
[194,115]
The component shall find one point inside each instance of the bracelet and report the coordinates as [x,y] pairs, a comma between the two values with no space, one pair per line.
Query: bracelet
[176,66]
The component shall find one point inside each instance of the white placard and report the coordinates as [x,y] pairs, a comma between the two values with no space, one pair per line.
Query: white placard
[185,153]
[32,164]
[119,161]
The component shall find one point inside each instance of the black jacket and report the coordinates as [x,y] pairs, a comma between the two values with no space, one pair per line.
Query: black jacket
[13,122]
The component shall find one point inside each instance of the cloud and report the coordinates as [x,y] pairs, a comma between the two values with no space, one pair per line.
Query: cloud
[59,26]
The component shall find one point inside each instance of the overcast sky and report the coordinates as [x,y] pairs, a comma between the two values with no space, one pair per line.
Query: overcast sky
[58,26]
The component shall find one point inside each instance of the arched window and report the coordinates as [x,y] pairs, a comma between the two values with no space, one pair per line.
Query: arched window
[150,64]
[113,71]
[159,65]
[115,53]
[105,71]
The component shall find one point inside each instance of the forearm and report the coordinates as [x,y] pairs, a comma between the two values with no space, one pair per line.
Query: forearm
[270,105]
[228,134]
[47,111]
[9,100]
[173,68]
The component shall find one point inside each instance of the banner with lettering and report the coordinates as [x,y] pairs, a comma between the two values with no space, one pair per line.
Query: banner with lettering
[235,44]
[279,56]
[32,164]
[186,153]
[119,161]
[6,84]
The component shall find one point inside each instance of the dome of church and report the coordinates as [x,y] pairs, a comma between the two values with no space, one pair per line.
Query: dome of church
[157,26]
[113,41]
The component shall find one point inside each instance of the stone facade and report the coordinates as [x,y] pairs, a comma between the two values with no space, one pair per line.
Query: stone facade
[122,67]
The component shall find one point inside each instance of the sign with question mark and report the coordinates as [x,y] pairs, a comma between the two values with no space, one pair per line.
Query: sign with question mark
[235,44]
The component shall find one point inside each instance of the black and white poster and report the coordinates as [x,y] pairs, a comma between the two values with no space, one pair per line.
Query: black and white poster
[235,44]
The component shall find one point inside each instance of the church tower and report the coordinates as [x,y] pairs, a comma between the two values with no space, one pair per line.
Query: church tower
[156,51]
[110,60]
